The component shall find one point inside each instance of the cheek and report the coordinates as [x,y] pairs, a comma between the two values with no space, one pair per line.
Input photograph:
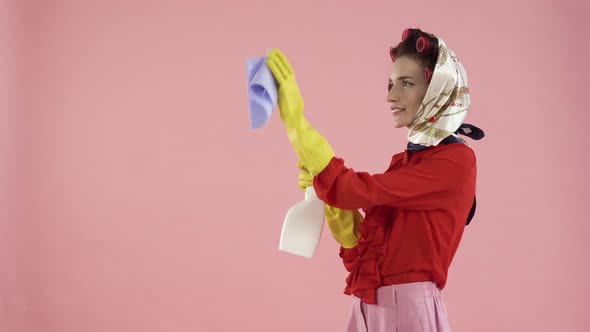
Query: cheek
[415,100]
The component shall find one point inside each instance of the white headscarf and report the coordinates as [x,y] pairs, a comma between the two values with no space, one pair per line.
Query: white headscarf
[446,101]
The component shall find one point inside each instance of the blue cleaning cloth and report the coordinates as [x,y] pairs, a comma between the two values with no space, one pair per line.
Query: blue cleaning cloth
[262,91]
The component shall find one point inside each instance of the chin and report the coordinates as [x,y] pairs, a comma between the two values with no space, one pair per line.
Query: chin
[400,124]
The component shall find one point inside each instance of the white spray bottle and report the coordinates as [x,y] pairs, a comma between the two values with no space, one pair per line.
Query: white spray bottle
[302,228]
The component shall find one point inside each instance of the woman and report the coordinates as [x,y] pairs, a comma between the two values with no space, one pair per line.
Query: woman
[399,253]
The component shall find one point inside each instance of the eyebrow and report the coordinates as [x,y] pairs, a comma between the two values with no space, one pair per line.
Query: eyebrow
[403,78]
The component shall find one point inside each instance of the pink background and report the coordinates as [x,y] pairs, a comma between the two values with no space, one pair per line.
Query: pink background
[135,197]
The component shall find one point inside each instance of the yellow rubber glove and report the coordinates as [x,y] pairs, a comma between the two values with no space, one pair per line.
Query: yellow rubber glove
[311,148]
[343,224]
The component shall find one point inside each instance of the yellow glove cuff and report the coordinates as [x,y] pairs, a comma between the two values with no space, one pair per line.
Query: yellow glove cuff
[344,225]
[312,148]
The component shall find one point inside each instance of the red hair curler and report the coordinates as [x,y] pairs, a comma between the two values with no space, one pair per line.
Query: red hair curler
[427,75]
[422,44]
[406,34]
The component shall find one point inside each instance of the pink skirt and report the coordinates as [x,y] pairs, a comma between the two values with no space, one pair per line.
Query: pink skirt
[407,307]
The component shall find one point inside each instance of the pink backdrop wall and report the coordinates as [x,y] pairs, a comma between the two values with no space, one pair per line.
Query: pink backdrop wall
[141,201]
[13,252]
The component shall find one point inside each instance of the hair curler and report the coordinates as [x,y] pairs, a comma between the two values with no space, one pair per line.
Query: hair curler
[391,54]
[427,74]
[406,34]
[422,44]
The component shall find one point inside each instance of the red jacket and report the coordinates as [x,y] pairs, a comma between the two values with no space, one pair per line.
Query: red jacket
[415,214]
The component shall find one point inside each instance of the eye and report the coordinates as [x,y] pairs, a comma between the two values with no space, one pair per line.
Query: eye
[389,86]
[406,84]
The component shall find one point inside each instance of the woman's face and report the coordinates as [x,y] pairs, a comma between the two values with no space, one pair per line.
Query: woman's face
[407,88]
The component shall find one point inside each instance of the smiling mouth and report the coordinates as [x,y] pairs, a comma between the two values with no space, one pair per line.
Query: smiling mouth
[396,111]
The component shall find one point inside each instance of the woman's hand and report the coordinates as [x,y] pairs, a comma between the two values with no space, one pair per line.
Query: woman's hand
[343,224]
[290,100]
[305,178]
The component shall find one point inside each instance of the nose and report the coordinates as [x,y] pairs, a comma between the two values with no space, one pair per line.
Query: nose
[392,96]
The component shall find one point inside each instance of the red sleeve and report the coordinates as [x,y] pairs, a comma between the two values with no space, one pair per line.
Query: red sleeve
[423,186]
